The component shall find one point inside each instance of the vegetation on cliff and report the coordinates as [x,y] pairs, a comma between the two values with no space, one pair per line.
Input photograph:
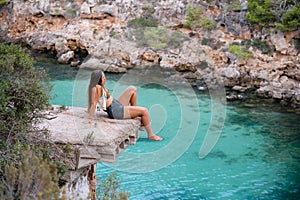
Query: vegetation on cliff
[25,167]
[3,2]
[31,178]
[110,188]
[28,168]
[195,19]
[239,51]
[147,33]
[284,15]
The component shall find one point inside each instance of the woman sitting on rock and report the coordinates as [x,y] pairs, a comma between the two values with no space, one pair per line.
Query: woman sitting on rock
[123,108]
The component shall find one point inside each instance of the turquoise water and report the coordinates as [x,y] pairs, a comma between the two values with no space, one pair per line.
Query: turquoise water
[257,155]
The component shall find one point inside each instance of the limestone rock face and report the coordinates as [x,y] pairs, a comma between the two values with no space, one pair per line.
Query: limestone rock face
[231,73]
[99,29]
[150,56]
[105,9]
[279,41]
[85,8]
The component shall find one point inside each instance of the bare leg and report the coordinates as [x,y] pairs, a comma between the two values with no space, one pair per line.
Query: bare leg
[136,111]
[128,97]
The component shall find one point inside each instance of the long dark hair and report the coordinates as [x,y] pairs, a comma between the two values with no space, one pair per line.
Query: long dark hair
[96,79]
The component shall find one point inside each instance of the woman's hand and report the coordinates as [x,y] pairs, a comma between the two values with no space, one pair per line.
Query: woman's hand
[89,121]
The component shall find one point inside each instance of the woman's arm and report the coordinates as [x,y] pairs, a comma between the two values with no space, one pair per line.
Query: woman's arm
[96,92]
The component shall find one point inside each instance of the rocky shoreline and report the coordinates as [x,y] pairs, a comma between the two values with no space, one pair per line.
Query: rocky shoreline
[95,34]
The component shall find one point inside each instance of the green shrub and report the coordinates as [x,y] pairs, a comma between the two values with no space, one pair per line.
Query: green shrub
[23,98]
[176,39]
[260,12]
[3,2]
[297,44]
[235,43]
[31,178]
[70,12]
[147,34]
[290,19]
[262,45]
[158,38]
[195,20]
[142,22]
[208,24]
[246,42]
[194,13]
[257,44]
[234,6]
[110,189]
[193,17]
[112,33]
[205,41]
[211,2]
[24,90]
[239,51]
[269,13]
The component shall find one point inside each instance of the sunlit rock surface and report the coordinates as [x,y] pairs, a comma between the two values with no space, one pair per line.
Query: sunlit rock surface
[102,140]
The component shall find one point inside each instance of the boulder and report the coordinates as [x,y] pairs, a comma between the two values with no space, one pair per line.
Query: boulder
[277,38]
[239,88]
[85,8]
[105,9]
[66,57]
[103,64]
[231,73]
[151,56]
[115,69]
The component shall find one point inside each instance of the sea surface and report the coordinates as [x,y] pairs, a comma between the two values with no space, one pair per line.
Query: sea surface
[251,150]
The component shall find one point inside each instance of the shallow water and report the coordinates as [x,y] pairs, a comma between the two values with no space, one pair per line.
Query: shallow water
[257,155]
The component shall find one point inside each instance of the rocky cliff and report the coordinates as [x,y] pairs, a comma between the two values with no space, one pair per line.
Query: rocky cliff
[72,30]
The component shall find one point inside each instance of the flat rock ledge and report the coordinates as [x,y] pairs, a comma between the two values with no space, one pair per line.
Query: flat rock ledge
[100,141]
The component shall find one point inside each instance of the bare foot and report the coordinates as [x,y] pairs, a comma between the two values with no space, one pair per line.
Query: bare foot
[155,138]
[89,121]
